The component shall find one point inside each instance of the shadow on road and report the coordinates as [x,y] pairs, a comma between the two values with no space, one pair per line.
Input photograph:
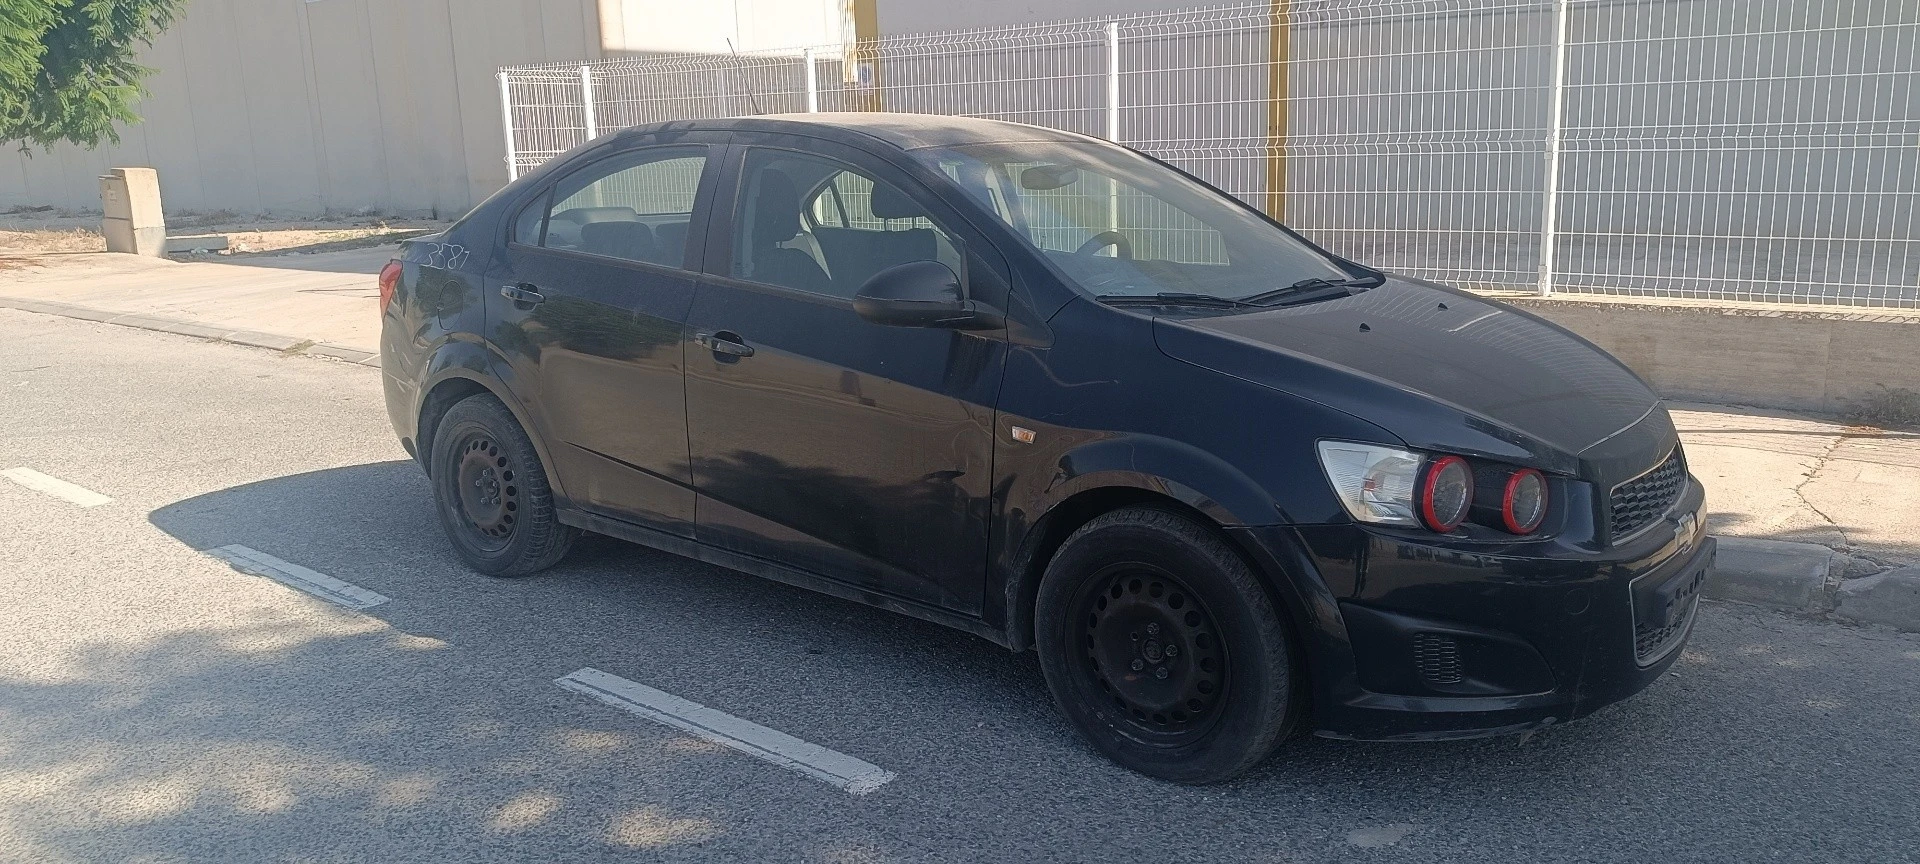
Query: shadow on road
[433,718]
[251,743]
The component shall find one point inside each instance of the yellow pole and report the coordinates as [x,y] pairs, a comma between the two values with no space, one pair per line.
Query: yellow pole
[1279,51]
[863,69]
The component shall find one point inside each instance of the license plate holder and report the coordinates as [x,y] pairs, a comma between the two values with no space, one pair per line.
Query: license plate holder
[1663,610]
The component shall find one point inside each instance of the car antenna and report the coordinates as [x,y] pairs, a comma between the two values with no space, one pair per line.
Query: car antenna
[753,101]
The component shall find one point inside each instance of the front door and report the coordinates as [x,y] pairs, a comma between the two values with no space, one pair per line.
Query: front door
[858,451]
[585,310]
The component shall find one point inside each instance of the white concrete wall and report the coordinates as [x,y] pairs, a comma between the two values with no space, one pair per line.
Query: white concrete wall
[638,27]
[906,17]
[298,108]
[1806,359]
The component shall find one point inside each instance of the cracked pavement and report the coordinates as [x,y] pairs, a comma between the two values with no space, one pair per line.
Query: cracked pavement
[1779,475]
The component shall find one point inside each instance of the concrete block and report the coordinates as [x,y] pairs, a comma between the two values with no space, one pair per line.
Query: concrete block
[130,206]
[1772,573]
[196,242]
[1891,598]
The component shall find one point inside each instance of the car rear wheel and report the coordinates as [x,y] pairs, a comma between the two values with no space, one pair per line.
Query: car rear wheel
[1159,643]
[492,492]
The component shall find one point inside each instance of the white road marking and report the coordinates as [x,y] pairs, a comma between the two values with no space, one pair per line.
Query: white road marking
[853,775]
[56,487]
[293,575]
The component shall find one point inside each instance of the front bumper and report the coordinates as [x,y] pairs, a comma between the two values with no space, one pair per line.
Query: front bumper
[1409,639]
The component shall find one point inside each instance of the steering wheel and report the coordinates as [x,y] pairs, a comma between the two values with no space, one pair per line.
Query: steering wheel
[1122,247]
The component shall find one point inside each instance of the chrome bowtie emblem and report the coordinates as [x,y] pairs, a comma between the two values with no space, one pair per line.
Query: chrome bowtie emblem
[1685,527]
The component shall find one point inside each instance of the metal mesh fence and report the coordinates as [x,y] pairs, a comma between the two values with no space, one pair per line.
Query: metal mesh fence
[1737,149]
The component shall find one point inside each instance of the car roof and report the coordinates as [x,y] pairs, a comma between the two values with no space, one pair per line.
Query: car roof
[905,131]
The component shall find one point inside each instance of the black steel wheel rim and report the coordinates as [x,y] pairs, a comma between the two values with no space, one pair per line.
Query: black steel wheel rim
[1151,653]
[487,487]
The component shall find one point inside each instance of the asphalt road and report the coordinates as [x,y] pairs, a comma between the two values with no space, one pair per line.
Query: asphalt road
[157,705]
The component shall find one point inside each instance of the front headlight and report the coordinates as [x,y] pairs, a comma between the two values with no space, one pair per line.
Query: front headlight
[1375,483]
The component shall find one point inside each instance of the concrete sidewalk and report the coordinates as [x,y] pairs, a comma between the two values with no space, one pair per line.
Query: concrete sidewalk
[1777,475]
[1795,485]
[328,298]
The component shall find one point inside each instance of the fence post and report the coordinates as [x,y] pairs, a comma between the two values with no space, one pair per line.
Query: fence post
[1556,111]
[813,81]
[506,118]
[586,100]
[1113,120]
[1113,81]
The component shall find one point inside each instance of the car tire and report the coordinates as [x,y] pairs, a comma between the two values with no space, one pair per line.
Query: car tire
[492,493]
[1159,643]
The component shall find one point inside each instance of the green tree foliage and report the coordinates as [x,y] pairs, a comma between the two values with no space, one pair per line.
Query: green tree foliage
[67,70]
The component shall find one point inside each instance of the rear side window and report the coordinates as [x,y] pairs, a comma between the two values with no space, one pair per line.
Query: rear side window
[823,226]
[633,206]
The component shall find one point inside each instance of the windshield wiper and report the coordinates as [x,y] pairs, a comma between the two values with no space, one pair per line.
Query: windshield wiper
[1314,284]
[1175,298]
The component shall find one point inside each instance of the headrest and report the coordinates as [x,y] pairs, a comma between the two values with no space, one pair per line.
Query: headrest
[586,215]
[776,209]
[891,203]
[617,239]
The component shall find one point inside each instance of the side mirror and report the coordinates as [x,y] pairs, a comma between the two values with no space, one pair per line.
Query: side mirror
[922,294]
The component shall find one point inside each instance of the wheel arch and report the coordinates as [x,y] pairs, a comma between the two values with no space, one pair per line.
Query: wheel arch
[1052,528]
[459,371]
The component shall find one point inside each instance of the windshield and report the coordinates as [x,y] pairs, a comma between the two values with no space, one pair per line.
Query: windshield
[1117,223]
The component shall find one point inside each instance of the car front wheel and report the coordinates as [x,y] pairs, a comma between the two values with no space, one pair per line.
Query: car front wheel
[1159,643]
[492,492]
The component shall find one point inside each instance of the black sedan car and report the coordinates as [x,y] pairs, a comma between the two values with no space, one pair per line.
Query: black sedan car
[1054,392]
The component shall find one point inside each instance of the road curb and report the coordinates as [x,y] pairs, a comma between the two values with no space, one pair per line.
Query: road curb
[197,330]
[1775,573]
[1808,578]
[1891,598]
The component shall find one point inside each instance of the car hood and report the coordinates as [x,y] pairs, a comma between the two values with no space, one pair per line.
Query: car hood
[1395,353]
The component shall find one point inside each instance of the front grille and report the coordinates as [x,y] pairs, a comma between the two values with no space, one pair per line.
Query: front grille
[1437,657]
[1640,501]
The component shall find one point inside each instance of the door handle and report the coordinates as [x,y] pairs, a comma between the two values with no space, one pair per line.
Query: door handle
[724,343]
[521,294]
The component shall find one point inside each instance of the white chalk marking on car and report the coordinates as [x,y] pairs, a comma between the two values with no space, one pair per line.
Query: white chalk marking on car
[56,487]
[335,591]
[853,775]
[1476,320]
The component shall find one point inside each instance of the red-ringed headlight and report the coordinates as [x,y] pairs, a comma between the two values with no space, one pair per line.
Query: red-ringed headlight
[1523,505]
[1445,493]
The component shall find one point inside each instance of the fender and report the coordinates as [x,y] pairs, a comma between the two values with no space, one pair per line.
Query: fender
[467,359]
[1180,471]
[1108,469]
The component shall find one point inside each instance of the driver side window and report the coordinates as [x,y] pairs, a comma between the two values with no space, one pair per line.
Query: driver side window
[823,226]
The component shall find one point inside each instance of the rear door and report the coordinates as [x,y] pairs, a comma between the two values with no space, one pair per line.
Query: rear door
[821,440]
[585,310]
